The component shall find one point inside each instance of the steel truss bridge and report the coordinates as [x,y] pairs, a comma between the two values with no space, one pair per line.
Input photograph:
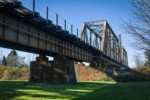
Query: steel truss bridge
[25,30]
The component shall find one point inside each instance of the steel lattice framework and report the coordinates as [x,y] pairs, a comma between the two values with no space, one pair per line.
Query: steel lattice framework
[100,35]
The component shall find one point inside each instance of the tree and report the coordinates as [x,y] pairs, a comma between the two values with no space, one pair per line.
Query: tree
[139,25]
[1,53]
[4,62]
[147,56]
[20,61]
[138,61]
[12,58]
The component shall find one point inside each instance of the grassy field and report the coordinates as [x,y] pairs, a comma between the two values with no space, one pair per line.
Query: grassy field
[24,90]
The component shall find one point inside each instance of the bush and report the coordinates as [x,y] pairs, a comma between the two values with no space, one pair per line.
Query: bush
[14,73]
[108,79]
[145,70]
[2,70]
[130,78]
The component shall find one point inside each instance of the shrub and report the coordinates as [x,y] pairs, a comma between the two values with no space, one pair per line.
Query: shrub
[108,79]
[14,73]
[145,70]
[130,78]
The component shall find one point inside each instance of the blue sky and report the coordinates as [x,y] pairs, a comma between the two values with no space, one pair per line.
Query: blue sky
[78,11]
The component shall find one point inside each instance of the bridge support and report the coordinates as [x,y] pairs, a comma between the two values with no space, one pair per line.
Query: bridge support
[109,70]
[99,65]
[59,71]
[120,70]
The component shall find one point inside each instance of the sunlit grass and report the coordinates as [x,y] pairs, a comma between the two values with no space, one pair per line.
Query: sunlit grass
[24,90]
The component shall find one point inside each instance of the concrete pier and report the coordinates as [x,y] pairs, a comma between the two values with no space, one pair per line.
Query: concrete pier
[59,71]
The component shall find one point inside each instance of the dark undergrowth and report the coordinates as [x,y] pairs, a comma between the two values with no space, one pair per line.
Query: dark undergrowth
[131,78]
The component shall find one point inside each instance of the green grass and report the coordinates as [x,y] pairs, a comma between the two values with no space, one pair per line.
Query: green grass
[24,90]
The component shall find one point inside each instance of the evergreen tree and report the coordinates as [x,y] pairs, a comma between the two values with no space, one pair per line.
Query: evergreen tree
[12,58]
[4,61]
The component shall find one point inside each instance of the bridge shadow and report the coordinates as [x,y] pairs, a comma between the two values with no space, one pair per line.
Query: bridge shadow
[25,90]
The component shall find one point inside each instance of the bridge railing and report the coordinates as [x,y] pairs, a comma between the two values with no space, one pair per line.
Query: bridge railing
[49,14]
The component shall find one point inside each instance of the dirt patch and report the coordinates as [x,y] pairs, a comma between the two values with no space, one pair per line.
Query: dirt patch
[86,73]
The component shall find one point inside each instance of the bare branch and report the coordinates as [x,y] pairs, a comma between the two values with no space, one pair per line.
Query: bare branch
[139,25]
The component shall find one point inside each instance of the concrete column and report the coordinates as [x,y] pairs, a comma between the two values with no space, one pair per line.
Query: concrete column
[40,70]
[59,71]
[109,71]
[64,69]
[120,71]
[99,65]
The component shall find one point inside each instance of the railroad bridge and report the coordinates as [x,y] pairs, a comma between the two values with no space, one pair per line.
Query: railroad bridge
[25,30]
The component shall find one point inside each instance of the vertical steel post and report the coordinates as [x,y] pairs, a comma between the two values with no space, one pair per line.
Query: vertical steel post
[120,49]
[71,29]
[14,2]
[65,25]
[120,41]
[47,11]
[56,19]
[90,37]
[33,7]
[77,32]
[84,35]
